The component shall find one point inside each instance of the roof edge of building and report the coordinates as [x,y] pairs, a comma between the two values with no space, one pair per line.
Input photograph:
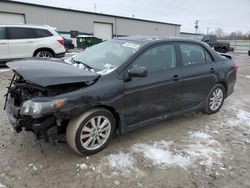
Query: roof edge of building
[80,11]
[191,33]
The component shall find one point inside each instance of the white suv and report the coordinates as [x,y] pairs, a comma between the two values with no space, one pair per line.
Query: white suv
[23,41]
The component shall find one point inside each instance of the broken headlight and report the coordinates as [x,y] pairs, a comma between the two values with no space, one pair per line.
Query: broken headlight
[36,109]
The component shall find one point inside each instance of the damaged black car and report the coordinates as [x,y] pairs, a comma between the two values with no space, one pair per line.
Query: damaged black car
[116,86]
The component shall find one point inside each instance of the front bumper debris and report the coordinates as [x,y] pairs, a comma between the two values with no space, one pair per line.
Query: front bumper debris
[44,127]
[12,113]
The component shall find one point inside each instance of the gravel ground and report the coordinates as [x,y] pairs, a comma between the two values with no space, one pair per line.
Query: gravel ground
[192,150]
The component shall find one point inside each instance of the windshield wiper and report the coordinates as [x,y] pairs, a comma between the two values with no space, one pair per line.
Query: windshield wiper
[80,62]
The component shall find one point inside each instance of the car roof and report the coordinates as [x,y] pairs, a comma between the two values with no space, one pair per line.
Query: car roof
[150,39]
[27,25]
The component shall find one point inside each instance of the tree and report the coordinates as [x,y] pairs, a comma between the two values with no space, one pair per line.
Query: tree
[219,33]
[233,36]
[239,34]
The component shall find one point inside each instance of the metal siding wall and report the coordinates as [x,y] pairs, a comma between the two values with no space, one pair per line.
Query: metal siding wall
[62,20]
[84,22]
[135,27]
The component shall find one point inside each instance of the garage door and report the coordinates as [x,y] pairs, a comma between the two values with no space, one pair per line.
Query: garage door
[10,18]
[103,30]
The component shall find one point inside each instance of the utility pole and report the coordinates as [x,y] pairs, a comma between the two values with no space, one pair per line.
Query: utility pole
[207,30]
[196,25]
[95,6]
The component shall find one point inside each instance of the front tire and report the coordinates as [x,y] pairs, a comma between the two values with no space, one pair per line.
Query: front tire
[215,99]
[91,131]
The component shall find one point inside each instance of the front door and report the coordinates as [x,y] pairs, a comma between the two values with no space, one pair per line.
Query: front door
[155,94]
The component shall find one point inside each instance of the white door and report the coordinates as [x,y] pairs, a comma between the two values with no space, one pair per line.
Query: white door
[103,30]
[10,18]
[4,45]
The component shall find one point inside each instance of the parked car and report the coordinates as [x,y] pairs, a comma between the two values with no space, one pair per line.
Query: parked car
[211,40]
[23,41]
[118,85]
[68,44]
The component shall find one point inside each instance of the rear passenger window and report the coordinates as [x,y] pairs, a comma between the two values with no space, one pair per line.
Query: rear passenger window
[193,54]
[41,33]
[208,57]
[20,33]
[158,58]
[2,33]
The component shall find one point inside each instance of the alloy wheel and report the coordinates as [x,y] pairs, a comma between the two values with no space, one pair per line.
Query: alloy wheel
[95,132]
[216,99]
[44,54]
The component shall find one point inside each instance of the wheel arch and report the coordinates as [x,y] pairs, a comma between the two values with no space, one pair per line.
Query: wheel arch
[224,84]
[44,48]
[113,111]
[73,126]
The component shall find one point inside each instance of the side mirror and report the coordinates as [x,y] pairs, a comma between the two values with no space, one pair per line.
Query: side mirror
[138,72]
[206,40]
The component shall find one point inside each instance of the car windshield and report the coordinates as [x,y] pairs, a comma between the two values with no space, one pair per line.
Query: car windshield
[108,55]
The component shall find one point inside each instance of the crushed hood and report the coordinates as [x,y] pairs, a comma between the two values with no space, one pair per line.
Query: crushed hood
[48,72]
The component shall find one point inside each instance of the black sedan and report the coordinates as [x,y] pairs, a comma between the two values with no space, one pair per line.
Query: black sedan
[116,86]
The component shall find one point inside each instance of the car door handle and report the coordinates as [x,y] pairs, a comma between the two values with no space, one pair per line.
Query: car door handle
[212,70]
[3,43]
[175,77]
[30,42]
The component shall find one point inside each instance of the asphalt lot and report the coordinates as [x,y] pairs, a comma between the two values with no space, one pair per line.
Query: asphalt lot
[192,150]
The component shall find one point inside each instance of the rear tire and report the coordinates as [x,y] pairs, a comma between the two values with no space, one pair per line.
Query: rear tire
[44,54]
[214,100]
[91,131]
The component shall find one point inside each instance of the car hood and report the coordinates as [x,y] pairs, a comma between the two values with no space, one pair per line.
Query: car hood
[48,72]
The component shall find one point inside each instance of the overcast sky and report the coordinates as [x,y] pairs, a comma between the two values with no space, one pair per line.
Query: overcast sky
[231,15]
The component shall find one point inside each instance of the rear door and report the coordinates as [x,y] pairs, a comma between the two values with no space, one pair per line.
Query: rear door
[21,41]
[4,44]
[157,93]
[199,74]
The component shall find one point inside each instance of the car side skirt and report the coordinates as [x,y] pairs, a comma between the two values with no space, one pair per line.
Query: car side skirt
[125,129]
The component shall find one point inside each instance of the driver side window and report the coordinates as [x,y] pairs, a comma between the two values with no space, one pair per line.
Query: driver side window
[158,59]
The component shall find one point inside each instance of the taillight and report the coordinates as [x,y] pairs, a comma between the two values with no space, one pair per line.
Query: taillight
[61,41]
[235,68]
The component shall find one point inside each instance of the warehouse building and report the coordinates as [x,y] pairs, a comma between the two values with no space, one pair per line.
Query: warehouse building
[68,21]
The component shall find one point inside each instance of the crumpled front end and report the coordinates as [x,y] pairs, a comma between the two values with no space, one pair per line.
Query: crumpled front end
[32,108]
[18,92]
